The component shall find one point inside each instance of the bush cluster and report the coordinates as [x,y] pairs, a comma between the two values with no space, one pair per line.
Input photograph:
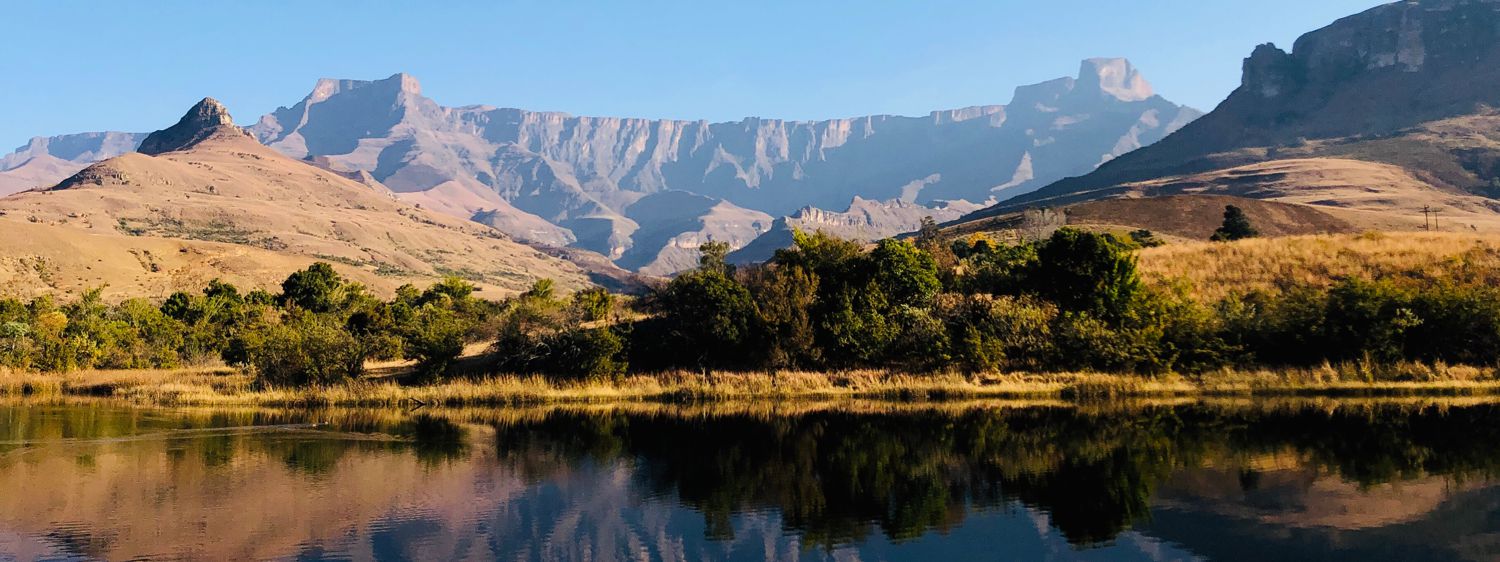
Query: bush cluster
[1074,301]
[320,329]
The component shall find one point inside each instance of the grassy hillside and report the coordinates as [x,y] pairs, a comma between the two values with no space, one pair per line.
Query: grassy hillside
[227,206]
[1213,270]
[1179,218]
[40,259]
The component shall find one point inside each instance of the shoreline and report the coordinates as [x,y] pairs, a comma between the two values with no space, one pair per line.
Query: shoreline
[229,387]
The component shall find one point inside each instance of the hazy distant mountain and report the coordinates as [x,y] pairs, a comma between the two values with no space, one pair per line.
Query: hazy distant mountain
[1375,116]
[47,160]
[864,220]
[641,191]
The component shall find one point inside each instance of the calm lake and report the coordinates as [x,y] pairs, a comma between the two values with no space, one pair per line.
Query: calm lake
[1296,480]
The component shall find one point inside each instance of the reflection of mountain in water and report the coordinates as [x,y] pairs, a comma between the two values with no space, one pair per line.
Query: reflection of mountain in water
[1149,483]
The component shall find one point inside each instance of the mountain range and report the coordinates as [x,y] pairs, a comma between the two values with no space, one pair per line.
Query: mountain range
[646,192]
[1374,122]
[1373,118]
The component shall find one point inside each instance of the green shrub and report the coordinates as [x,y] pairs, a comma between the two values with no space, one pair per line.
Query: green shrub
[593,305]
[784,300]
[905,274]
[708,316]
[991,268]
[921,341]
[1088,273]
[303,350]
[435,339]
[1459,325]
[586,354]
[1368,320]
[1003,333]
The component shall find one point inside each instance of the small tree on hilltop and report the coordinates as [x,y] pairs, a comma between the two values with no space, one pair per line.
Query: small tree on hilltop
[1236,226]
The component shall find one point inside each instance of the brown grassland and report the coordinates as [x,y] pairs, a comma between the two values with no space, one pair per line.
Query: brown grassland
[1213,270]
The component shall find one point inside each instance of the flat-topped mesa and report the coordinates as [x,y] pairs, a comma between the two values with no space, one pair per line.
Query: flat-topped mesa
[207,119]
[395,84]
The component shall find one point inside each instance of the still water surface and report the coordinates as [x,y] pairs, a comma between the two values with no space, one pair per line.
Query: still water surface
[1346,480]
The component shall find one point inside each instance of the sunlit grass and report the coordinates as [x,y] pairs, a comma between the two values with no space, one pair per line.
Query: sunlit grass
[1212,270]
[227,387]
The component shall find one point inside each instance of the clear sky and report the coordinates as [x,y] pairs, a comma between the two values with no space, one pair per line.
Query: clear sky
[73,65]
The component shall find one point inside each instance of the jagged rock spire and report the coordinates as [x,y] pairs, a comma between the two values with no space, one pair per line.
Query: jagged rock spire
[206,119]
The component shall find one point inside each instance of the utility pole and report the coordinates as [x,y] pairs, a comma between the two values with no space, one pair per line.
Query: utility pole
[1427,217]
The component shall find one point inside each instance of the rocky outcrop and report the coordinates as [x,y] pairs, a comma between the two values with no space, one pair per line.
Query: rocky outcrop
[207,119]
[1413,84]
[513,168]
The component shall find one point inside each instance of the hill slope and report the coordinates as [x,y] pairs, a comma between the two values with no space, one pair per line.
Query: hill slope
[1177,218]
[1410,86]
[47,160]
[207,180]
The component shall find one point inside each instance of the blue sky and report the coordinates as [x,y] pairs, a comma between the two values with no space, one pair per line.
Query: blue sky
[71,66]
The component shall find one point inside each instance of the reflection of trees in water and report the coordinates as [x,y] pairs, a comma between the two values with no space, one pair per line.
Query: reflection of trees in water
[836,476]
[211,437]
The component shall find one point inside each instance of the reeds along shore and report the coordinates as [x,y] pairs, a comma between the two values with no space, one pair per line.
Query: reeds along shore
[227,387]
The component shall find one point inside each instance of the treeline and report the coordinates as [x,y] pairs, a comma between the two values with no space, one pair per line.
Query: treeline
[1074,301]
[319,329]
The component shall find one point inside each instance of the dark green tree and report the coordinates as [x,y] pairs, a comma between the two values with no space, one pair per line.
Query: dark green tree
[1236,226]
[709,314]
[784,300]
[1087,272]
[593,305]
[315,289]
[906,274]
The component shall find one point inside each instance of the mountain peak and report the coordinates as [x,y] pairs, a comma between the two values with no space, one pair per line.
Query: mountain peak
[406,83]
[206,119]
[1114,77]
[397,84]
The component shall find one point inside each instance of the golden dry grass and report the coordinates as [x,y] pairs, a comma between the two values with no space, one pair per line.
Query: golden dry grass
[1213,270]
[224,387]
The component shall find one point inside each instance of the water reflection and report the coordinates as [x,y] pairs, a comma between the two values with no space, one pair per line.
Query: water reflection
[1380,480]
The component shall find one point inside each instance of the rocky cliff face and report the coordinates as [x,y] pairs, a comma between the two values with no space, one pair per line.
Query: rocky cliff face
[582,176]
[1412,83]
